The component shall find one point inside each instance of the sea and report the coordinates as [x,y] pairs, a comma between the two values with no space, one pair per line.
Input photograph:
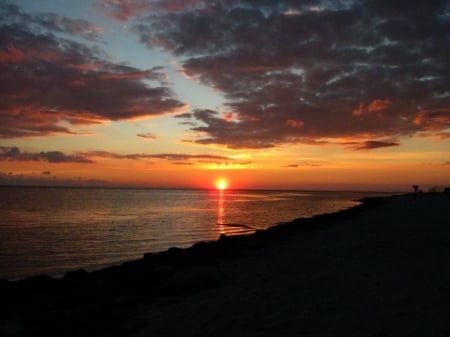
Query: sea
[53,230]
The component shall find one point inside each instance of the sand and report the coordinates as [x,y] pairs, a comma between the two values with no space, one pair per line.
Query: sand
[379,269]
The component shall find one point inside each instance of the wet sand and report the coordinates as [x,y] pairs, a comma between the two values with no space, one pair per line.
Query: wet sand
[378,269]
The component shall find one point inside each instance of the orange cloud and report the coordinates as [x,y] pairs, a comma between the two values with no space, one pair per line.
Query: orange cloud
[433,120]
[378,104]
[229,116]
[359,110]
[375,105]
[294,123]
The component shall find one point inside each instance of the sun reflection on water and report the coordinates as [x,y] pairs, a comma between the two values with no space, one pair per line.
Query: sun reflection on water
[221,211]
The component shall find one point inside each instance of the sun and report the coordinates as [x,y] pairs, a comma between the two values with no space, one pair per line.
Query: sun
[221,184]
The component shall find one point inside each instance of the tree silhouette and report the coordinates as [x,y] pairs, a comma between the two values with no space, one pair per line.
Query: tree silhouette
[416,188]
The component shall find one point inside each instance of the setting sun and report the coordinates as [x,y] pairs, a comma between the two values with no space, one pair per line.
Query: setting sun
[222,184]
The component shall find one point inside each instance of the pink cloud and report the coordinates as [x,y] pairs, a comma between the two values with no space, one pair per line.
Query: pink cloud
[12,55]
[125,9]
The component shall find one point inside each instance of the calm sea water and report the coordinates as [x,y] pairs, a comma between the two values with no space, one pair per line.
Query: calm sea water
[54,230]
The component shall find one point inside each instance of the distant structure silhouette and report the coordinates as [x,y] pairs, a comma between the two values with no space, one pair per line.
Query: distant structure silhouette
[416,188]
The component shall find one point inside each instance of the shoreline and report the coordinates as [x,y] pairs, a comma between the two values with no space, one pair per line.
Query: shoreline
[59,259]
[148,293]
[303,223]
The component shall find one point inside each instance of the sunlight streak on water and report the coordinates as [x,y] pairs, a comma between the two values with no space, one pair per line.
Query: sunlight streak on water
[52,230]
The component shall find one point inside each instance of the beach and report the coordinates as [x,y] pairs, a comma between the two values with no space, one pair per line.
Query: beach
[378,269]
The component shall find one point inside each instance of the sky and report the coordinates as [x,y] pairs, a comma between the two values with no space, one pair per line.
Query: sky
[267,94]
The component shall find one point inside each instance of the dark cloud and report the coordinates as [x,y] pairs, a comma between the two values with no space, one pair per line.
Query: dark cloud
[63,24]
[175,158]
[50,84]
[373,144]
[183,115]
[167,156]
[303,164]
[241,136]
[11,14]
[147,136]
[15,179]
[308,71]
[14,154]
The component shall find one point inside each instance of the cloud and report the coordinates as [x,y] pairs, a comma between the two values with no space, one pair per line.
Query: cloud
[11,14]
[303,164]
[353,68]
[433,120]
[294,124]
[183,115]
[152,74]
[166,156]
[14,154]
[174,158]
[371,144]
[149,136]
[35,179]
[123,10]
[67,25]
[232,129]
[51,85]
[376,105]
[443,135]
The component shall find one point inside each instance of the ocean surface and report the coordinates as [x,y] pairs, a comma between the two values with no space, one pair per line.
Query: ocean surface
[51,231]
